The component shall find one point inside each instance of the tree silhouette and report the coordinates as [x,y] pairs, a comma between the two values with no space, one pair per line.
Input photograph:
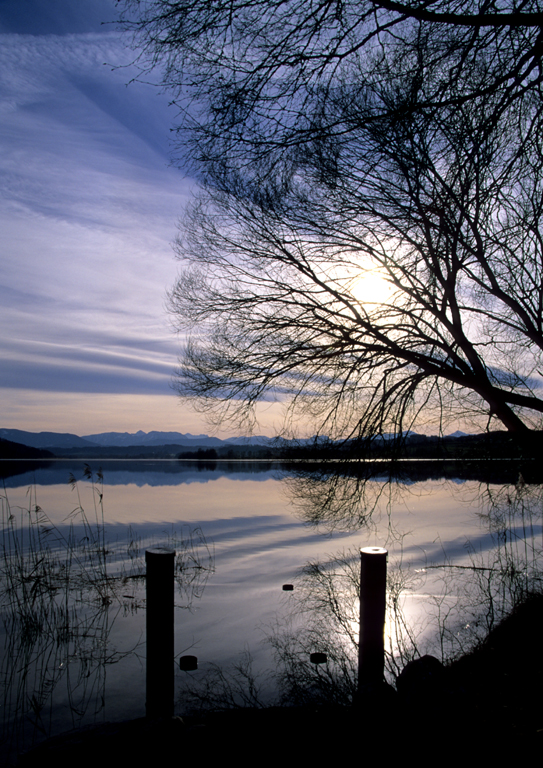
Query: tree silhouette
[343,143]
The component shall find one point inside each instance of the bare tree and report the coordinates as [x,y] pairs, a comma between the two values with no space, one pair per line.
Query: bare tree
[341,143]
[246,74]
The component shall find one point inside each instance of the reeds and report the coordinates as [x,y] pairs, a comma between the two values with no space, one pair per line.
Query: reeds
[62,590]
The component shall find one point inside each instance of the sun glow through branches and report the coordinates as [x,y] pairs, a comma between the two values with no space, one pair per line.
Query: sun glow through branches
[372,288]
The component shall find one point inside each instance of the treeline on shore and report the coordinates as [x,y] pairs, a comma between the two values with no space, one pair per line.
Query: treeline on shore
[491,445]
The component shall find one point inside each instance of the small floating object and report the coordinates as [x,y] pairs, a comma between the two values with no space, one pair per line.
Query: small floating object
[188,663]
[318,658]
[288,587]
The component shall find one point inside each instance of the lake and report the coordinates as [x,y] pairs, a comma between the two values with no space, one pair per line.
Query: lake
[73,600]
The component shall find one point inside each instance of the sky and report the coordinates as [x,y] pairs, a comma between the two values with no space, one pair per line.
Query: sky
[89,207]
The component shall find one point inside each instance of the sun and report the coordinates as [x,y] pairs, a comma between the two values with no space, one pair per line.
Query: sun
[372,288]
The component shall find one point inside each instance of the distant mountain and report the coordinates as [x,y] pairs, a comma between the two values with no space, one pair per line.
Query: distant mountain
[277,442]
[391,436]
[123,439]
[45,439]
[256,440]
[129,439]
[154,439]
[11,450]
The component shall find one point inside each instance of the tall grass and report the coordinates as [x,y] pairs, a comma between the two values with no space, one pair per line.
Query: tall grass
[62,590]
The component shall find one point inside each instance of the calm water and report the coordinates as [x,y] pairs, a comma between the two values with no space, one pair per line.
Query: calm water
[251,529]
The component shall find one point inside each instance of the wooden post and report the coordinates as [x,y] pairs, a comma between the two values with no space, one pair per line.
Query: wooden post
[159,563]
[371,644]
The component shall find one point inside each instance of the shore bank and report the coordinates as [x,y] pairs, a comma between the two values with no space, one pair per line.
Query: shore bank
[487,702]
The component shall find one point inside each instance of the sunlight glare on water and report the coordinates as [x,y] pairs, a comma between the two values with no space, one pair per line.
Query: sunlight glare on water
[259,540]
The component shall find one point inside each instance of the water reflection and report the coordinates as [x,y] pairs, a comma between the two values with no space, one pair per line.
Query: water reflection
[22,474]
[441,602]
[443,606]
[63,591]
[344,495]
[463,550]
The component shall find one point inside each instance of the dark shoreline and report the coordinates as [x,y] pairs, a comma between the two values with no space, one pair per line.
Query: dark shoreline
[485,703]
[498,470]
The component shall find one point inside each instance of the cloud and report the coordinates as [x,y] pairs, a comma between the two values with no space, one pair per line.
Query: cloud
[54,17]
[100,366]
[89,209]
[89,412]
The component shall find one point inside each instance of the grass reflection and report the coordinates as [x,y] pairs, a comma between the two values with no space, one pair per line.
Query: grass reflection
[63,591]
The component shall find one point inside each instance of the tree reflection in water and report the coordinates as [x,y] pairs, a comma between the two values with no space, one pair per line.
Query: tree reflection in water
[60,613]
[342,496]
[444,608]
[460,602]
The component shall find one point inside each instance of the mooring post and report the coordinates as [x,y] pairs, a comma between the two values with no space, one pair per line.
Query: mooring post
[371,644]
[159,563]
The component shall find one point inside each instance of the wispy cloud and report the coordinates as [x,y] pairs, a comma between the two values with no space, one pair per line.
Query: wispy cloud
[89,209]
